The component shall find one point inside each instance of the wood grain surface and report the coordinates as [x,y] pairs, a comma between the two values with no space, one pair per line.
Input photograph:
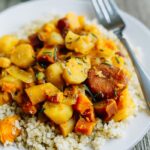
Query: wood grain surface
[137,8]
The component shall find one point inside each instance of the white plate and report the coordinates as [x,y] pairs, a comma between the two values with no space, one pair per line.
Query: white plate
[139,35]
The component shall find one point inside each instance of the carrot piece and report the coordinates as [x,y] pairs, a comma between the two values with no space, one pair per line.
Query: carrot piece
[85,107]
[84,127]
[8,130]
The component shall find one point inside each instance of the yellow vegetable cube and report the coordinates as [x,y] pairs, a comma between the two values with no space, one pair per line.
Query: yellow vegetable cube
[126,106]
[73,20]
[75,70]
[4,62]
[55,38]
[23,55]
[7,43]
[37,93]
[106,48]
[54,75]
[58,113]
[67,127]
[81,44]
[117,61]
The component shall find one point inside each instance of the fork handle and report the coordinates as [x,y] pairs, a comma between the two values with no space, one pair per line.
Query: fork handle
[143,77]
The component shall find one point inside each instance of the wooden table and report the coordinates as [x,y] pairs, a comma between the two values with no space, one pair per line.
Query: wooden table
[139,9]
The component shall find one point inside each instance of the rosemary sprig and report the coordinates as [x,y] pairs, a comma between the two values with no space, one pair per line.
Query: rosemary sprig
[55,53]
[48,53]
[89,92]
[117,60]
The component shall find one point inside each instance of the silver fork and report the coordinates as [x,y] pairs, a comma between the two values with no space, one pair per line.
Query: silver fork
[106,11]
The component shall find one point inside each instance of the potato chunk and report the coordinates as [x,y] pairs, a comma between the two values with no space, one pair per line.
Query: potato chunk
[37,93]
[75,22]
[58,113]
[67,127]
[84,127]
[7,43]
[54,75]
[106,48]
[21,74]
[8,130]
[23,55]
[55,38]
[75,70]
[4,62]
[82,44]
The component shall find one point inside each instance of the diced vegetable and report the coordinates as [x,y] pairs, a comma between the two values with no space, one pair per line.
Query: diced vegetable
[29,108]
[10,84]
[69,100]
[126,106]
[93,30]
[75,70]
[21,74]
[54,74]
[8,130]
[106,48]
[80,43]
[74,21]
[67,127]
[23,55]
[38,93]
[4,62]
[55,38]
[106,109]
[58,113]
[46,55]
[85,107]
[58,98]
[45,31]
[118,61]
[4,98]
[7,43]
[84,127]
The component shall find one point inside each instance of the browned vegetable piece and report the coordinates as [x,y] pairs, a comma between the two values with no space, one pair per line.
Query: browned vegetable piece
[85,107]
[106,109]
[29,108]
[46,56]
[58,98]
[106,81]
[35,41]
[63,26]
[84,127]
[67,127]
